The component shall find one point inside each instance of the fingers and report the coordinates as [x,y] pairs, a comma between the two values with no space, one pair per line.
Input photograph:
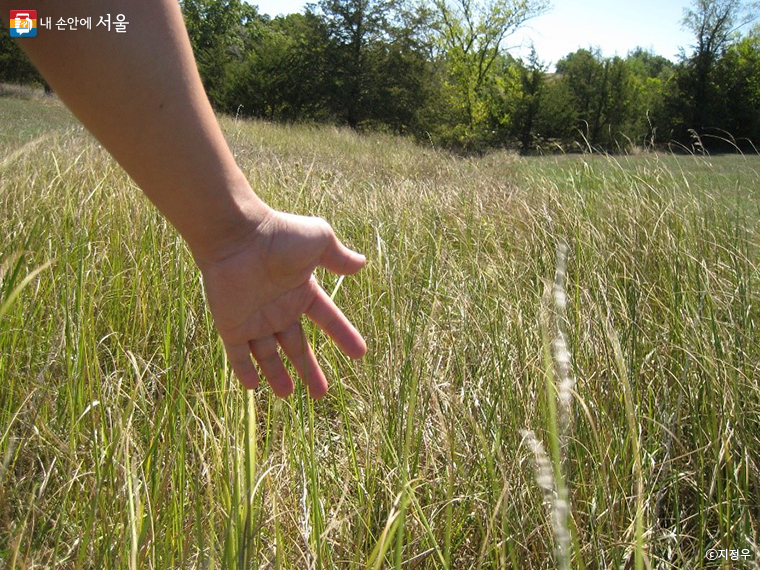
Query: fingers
[239,357]
[268,358]
[341,260]
[334,323]
[296,347]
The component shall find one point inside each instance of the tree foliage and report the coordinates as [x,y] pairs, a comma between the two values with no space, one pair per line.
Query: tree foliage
[713,22]
[216,34]
[377,61]
[600,89]
[470,36]
[438,70]
[15,66]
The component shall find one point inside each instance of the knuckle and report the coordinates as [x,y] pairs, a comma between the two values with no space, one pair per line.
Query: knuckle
[324,226]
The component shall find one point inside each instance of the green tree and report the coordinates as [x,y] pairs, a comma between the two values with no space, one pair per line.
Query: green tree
[282,73]
[353,25]
[651,80]
[737,76]
[470,36]
[501,100]
[377,62]
[713,22]
[582,70]
[399,83]
[532,75]
[216,29]
[615,108]
[601,92]
[557,117]
[15,66]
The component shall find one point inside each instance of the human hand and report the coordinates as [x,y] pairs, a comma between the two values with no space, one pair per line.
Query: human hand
[258,292]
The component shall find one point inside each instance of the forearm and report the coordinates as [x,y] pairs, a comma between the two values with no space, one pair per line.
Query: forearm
[139,93]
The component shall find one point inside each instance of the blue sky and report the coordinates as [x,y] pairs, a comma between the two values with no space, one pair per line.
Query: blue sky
[615,26]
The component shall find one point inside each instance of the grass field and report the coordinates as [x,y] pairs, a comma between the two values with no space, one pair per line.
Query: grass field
[563,366]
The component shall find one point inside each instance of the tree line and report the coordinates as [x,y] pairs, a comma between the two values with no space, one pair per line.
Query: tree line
[438,70]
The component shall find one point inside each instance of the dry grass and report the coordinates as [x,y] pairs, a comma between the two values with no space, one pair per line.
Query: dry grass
[124,444]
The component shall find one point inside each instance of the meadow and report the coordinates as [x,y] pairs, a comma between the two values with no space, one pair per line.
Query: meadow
[563,366]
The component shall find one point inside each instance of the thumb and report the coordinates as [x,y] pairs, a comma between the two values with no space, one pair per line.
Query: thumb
[341,260]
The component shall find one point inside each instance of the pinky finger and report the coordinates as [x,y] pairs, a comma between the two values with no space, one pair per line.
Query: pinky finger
[239,357]
[268,358]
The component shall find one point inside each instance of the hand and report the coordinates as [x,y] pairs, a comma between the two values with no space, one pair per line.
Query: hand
[258,293]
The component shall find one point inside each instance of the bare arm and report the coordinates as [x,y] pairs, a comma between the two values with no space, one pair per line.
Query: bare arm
[139,93]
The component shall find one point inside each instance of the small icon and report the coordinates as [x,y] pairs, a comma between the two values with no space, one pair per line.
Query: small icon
[23,23]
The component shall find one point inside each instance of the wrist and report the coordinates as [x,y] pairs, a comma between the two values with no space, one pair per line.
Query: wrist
[231,222]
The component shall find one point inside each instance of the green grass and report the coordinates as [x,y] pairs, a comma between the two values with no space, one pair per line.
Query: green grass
[125,444]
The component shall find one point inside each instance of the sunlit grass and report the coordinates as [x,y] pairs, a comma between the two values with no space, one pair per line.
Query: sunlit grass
[124,443]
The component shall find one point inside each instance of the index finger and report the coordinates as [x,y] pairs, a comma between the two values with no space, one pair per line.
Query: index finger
[328,317]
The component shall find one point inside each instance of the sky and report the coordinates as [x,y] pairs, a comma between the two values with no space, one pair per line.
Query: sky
[616,26]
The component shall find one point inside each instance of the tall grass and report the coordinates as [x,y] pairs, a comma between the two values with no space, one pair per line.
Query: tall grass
[125,444]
